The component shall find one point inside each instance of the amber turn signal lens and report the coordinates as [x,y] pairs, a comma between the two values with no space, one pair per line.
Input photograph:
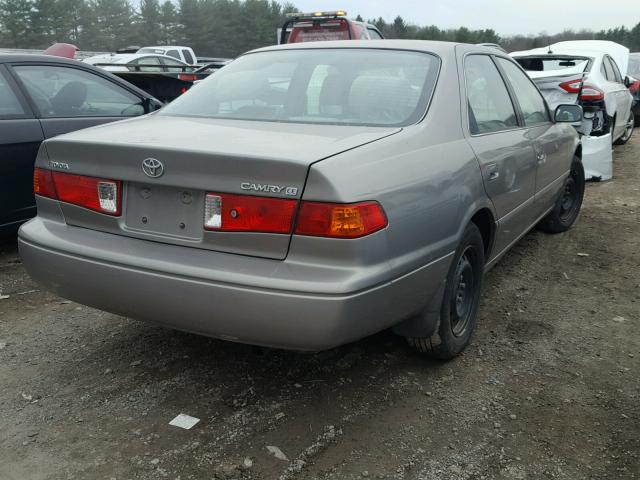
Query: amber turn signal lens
[340,220]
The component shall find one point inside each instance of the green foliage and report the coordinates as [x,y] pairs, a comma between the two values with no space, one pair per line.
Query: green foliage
[14,21]
[217,27]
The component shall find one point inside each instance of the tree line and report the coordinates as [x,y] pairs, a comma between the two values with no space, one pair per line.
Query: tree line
[217,27]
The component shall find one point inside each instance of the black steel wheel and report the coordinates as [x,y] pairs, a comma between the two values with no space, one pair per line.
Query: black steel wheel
[461,300]
[567,207]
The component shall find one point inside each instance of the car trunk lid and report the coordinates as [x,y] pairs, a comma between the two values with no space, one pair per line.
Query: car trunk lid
[198,156]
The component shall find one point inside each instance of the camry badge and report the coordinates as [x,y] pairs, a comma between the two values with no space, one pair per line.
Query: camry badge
[152,168]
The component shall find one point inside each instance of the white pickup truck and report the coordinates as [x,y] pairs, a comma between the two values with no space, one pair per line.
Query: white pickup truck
[186,54]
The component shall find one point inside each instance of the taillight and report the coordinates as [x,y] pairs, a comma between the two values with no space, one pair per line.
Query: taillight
[572,86]
[635,86]
[590,93]
[246,213]
[340,220]
[186,77]
[43,183]
[98,194]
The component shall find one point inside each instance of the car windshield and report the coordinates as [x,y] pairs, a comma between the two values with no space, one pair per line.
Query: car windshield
[634,66]
[322,86]
[543,64]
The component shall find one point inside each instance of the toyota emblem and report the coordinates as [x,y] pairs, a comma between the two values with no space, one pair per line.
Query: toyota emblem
[152,168]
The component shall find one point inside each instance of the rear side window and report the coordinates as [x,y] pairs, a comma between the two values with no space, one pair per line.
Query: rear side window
[614,68]
[531,102]
[148,64]
[490,107]
[187,56]
[373,33]
[71,92]
[606,70]
[9,104]
[174,54]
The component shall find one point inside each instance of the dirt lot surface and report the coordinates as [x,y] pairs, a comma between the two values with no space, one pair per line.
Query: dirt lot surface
[550,387]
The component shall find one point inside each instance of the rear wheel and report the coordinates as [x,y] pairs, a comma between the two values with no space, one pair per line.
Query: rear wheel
[628,131]
[459,310]
[568,205]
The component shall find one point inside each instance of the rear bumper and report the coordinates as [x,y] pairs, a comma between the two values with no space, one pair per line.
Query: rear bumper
[158,287]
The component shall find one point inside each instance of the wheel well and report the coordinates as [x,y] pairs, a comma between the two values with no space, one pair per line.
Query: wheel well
[483,219]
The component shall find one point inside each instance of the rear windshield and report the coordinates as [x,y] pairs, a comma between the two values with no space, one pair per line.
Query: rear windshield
[324,86]
[543,64]
[318,31]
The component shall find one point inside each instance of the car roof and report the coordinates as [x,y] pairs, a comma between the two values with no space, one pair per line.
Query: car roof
[164,47]
[31,57]
[428,46]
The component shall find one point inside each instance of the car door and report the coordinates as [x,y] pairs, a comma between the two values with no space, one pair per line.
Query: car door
[502,147]
[551,143]
[68,98]
[624,99]
[20,138]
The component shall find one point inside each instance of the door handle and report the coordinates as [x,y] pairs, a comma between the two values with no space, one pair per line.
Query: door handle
[541,158]
[492,172]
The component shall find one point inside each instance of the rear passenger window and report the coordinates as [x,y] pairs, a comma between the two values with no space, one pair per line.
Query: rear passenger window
[174,54]
[531,102]
[9,105]
[615,70]
[187,56]
[72,92]
[374,34]
[490,107]
[608,71]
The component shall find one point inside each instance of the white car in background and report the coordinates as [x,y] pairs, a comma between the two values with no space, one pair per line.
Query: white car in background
[591,73]
[138,62]
[184,54]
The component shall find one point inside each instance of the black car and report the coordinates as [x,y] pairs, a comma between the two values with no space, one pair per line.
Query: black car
[44,96]
[634,71]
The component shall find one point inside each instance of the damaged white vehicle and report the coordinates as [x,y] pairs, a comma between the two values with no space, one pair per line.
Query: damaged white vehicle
[591,73]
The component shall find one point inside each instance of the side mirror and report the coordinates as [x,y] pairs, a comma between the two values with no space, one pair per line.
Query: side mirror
[151,105]
[627,81]
[569,113]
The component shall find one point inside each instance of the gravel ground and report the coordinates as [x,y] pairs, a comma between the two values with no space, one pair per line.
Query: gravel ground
[549,388]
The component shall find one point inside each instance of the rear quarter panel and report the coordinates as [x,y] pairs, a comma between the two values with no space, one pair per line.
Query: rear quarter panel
[426,178]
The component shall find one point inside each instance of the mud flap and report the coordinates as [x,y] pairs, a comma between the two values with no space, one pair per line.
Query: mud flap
[424,324]
[597,157]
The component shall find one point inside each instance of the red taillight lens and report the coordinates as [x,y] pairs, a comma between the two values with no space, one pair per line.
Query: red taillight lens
[98,194]
[635,86]
[186,77]
[590,93]
[245,213]
[572,86]
[340,220]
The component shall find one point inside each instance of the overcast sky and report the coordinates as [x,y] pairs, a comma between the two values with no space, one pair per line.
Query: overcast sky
[507,17]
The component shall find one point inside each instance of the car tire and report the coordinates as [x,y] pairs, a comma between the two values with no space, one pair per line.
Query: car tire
[567,207]
[628,130]
[460,302]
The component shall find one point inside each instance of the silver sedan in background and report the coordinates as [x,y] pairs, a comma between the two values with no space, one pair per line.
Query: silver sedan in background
[309,195]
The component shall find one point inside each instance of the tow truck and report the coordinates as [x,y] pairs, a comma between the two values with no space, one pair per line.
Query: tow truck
[323,26]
